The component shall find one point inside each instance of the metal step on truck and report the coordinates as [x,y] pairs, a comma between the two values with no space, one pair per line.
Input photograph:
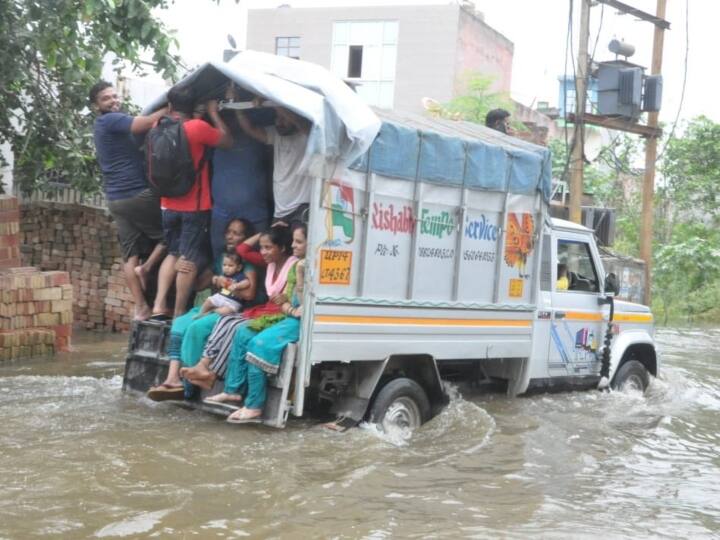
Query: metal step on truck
[431,257]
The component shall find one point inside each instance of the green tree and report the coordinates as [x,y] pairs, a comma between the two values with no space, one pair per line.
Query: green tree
[691,169]
[686,269]
[51,52]
[478,99]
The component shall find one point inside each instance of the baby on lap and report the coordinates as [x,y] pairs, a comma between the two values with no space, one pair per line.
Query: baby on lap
[233,279]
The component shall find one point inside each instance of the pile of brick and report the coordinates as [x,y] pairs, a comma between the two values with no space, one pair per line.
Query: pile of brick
[83,242]
[35,307]
[35,312]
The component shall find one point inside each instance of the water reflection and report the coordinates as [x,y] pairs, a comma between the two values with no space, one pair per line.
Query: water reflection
[80,459]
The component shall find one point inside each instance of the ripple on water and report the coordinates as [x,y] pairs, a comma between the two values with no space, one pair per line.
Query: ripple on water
[81,459]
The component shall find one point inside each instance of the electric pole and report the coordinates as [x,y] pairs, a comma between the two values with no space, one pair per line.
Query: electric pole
[648,191]
[577,159]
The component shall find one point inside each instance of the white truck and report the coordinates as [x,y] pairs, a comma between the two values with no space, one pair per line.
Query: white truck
[433,257]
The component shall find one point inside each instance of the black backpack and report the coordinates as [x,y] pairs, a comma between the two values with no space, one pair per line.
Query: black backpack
[170,167]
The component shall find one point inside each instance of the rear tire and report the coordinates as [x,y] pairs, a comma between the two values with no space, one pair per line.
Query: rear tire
[401,404]
[631,375]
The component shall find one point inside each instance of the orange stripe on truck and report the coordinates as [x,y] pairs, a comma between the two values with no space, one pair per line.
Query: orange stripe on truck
[420,321]
[618,317]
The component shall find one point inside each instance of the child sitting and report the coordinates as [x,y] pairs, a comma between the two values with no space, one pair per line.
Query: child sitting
[233,279]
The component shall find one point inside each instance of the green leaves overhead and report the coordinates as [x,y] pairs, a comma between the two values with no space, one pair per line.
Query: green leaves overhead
[51,53]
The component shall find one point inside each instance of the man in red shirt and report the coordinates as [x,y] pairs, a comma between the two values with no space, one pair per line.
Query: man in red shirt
[186,219]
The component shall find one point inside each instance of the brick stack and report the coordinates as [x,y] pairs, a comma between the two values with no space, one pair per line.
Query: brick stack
[35,312]
[35,307]
[9,229]
[83,242]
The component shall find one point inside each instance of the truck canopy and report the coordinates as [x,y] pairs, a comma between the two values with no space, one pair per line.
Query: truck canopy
[418,148]
[343,126]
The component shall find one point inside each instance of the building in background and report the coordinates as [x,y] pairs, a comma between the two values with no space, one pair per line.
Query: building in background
[396,54]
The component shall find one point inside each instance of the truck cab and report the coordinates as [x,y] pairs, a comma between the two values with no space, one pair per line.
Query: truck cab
[575,301]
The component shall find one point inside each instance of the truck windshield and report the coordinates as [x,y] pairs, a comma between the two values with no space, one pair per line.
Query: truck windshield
[575,263]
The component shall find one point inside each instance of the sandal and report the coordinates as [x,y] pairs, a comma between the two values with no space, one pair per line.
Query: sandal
[165,392]
[241,417]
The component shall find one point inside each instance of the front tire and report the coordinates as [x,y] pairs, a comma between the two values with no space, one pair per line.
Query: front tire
[631,375]
[401,404]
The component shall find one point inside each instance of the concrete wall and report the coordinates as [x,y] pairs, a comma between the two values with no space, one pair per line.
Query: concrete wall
[481,48]
[427,42]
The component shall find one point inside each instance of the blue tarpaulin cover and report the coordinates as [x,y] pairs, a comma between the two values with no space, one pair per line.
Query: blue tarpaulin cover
[415,147]
[400,145]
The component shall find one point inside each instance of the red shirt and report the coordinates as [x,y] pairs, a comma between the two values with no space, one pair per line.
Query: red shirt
[199,134]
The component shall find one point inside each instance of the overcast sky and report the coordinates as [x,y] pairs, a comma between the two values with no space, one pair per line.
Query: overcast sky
[538,28]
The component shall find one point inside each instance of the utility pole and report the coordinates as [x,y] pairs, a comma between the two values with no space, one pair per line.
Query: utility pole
[577,159]
[648,191]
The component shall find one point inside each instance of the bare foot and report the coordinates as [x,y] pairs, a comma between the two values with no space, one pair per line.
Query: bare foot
[196,371]
[199,377]
[142,313]
[224,397]
[142,275]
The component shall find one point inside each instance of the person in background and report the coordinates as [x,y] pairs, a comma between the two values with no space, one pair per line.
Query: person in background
[563,281]
[186,219]
[499,120]
[133,206]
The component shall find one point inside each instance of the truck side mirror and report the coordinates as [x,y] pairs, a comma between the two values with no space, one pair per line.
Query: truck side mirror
[611,284]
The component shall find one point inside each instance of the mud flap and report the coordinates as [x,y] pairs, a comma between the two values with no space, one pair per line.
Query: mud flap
[278,404]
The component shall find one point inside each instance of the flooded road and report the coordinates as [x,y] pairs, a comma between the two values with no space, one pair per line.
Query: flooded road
[78,459]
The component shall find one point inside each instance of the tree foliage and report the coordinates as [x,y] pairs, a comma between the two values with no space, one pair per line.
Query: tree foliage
[51,53]
[687,252]
[476,101]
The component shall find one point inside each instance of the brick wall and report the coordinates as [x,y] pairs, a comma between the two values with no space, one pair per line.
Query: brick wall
[9,228]
[83,242]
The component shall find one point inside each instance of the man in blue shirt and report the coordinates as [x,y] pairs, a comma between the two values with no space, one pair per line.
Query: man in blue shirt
[241,185]
[134,207]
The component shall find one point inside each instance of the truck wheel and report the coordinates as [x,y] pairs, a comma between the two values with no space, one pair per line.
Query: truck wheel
[632,374]
[401,403]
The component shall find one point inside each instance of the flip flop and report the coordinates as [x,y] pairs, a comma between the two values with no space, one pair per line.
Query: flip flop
[165,392]
[160,317]
[222,404]
[244,420]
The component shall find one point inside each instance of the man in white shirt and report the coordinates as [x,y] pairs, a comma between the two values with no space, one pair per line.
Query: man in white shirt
[291,187]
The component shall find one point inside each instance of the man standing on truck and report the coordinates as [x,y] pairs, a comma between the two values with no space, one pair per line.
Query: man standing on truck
[186,219]
[241,179]
[289,137]
[133,206]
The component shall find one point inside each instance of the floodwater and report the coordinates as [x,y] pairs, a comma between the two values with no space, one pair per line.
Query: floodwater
[78,459]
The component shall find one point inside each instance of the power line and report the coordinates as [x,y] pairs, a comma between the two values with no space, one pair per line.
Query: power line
[684,84]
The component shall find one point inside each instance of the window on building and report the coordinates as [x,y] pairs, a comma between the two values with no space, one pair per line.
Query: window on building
[288,46]
[366,52]
[355,56]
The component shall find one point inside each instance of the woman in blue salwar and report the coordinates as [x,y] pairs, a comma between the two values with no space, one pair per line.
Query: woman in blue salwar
[255,355]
